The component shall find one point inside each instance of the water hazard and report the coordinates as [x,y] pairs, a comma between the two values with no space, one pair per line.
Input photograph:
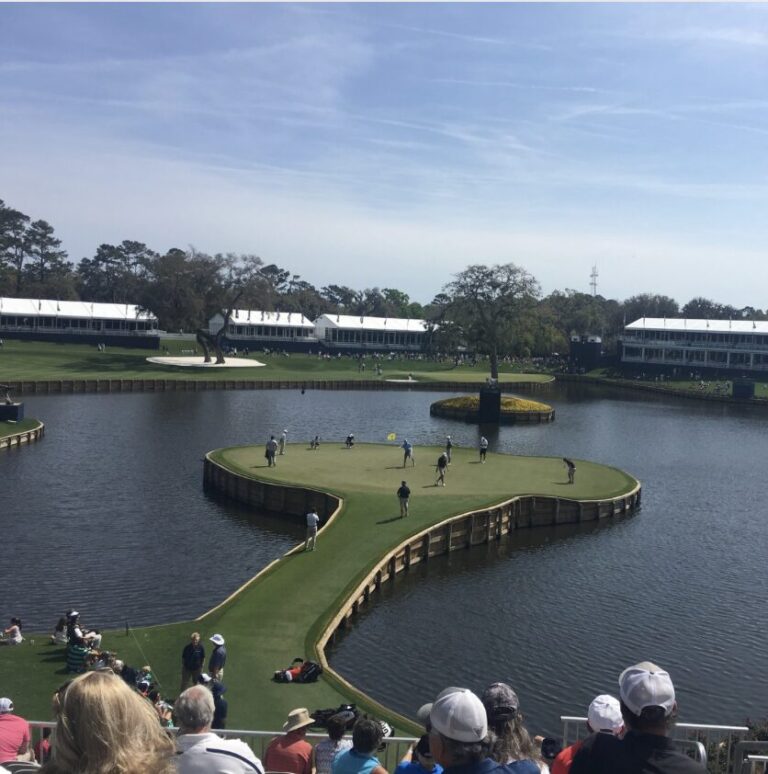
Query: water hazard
[108,514]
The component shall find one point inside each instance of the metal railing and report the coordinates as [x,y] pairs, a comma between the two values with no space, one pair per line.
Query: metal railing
[395,746]
[750,757]
[701,739]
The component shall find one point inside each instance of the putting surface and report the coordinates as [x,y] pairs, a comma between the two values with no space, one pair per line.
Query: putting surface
[283,612]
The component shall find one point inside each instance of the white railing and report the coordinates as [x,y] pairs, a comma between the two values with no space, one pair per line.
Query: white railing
[395,746]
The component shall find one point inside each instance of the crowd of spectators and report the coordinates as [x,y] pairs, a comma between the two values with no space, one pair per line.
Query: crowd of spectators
[104,725]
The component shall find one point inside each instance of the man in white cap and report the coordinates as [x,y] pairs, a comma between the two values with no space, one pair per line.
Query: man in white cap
[603,717]
[648,707]
[200,751]
[14,734]
[283,440]
[218,658]
[458,738]
[291,752]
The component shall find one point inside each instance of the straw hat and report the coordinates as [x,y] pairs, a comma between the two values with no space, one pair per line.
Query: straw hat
[298,718]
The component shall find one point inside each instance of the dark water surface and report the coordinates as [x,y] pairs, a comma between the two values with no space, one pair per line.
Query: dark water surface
[108,514]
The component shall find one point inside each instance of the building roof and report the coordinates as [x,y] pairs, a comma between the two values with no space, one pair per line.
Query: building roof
[698,326]
[258,317]
[33,307]
[354,322]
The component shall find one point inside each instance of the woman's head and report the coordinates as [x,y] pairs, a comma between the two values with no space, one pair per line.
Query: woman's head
[506,721]
[103,726]
[337,725]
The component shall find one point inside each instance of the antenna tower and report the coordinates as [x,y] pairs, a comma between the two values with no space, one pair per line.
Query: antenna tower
[593,280]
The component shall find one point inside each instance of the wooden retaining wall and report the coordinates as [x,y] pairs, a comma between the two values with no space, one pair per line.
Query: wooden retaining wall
[70,386]
[277,498]
[27,436]
[471,529]
[660,389]
[505,418]
[458,532]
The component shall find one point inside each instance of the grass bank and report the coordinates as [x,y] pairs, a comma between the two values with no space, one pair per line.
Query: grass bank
[281,613]
[44,361]
[12,428]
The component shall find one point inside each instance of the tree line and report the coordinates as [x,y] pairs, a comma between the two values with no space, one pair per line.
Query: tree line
[184,288]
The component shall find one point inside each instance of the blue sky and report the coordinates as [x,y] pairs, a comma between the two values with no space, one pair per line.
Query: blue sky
[393,144]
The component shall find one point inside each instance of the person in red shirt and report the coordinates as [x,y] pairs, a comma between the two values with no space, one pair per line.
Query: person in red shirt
[291,752]
[14,734]
[603,717]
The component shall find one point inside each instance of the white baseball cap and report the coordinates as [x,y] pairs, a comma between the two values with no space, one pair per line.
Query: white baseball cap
[6,705]
[646,685]
[459,715]
[604,714]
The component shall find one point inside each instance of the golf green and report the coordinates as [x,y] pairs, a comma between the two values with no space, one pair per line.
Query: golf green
[284,611]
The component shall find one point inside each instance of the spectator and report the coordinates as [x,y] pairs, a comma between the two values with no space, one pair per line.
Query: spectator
[12,635]
[603,717]
[459,739]
[199,750]
[104,726]
[59,636]
[360,758]
[218,658]
[220,704]
[419,760]
[14,734]
[327,749]
[291,752]
[192,660]
[648,707]
[43,747]
[513,744]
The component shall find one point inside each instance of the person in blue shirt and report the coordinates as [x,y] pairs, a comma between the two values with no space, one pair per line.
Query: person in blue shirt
[419,760]
[407,448]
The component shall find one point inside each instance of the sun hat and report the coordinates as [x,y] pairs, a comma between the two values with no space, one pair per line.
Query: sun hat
[217,639]
[6,705]
[646,685]
[500,701]
[460,716]
[604,714]
[298,718]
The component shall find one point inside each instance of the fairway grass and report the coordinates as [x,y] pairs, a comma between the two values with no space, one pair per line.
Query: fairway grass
[282,613]
[43,361]
[12,428]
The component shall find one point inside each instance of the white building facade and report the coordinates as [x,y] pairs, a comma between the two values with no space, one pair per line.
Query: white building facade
[348,333]
[124,325]
[692,345]
[255,329]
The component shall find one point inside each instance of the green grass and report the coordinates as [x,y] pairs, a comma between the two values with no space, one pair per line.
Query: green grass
[11,428]
[282,614]
[690,385]
[43,361]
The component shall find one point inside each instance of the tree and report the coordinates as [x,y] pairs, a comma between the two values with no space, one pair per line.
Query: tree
[13,241]
[340,297]
[648,305]
[704,309]
[486,304]
[49,272]
[116,272]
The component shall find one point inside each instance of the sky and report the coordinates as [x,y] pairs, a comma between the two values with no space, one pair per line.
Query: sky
[393,144]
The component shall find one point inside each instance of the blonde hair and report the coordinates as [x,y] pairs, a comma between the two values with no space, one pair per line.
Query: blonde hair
[104,727]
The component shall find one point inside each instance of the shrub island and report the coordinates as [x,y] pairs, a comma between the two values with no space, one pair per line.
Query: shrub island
[513,409]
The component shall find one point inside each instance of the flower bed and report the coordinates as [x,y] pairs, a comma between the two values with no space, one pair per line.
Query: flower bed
[513,409]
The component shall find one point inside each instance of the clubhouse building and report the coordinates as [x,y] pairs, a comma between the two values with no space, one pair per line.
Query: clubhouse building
[121,325]
[664,344]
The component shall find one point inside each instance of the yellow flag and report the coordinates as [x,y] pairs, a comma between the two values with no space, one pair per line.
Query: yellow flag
[392,436]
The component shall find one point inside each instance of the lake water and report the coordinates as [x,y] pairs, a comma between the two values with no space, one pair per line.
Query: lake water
[108,514]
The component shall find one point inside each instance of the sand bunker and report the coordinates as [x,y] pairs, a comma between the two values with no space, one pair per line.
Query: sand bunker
[197,362]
